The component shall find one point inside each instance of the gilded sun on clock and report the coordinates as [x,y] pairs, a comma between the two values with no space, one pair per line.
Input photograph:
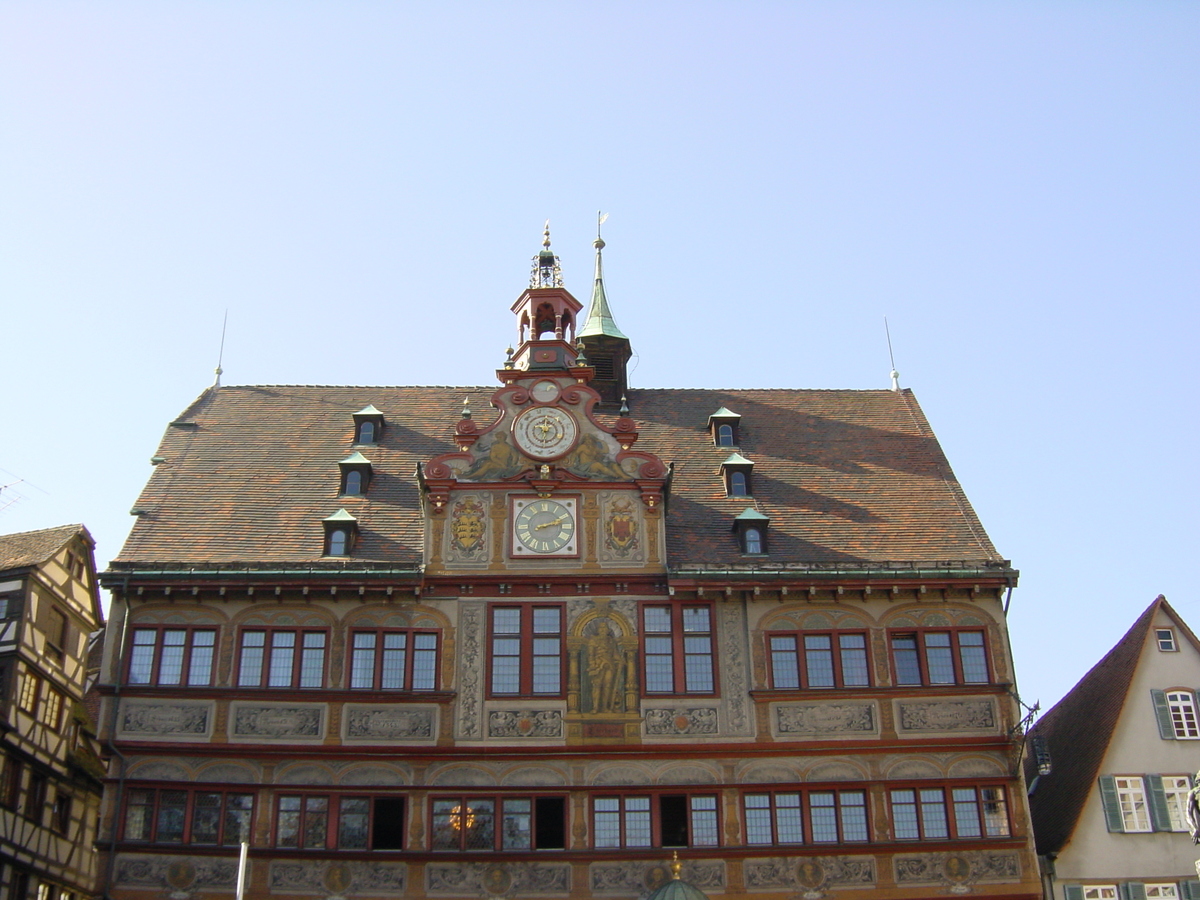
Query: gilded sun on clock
[545,432]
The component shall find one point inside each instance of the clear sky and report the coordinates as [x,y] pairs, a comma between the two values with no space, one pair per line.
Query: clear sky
[361,185]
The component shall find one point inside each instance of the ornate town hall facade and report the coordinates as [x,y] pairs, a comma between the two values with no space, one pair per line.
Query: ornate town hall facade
[532,640]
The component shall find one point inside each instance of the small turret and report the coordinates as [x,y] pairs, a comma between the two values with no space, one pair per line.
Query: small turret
[608,349]
[546,316]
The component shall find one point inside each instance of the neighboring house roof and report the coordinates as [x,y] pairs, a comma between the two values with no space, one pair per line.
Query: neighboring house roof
[1077,732]
[848,478]
[32,548]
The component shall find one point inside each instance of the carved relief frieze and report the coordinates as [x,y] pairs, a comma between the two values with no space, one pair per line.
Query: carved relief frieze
[525,723]
[174,720]
[264,722]
[331,877]
[812,875]
[956,871]
[832,719]
[497,879]
[946,715]
[372,723]
[470,667]
[640,878]
[681,721]
[735,666]
[177,872]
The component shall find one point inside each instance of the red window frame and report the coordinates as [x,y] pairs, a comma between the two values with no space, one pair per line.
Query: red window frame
[679,651]
[157,650]
[298,655]
[459,819]
[410,656]
[800,654]
[527,654]
[330,819]
[157,802]
[805,810]
[657,815]
[921,637]
[954,804]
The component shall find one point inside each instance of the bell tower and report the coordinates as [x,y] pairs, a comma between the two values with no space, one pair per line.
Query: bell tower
[546,316]
[606,347]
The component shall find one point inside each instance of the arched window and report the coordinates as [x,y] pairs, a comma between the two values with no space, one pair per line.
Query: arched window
[724,435]
[753,539]
[738,485]
[366,432]
[337,542]
[354,483]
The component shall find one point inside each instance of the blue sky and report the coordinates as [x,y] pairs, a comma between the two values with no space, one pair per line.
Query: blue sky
[361,185]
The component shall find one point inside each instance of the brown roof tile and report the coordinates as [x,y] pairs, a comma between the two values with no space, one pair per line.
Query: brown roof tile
[31,548]
[846,477]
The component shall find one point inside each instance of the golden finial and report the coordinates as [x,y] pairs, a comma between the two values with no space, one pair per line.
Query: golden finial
[546,236]
[676,866]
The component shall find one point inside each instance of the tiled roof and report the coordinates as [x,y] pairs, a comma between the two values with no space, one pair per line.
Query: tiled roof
[1077,731]
[847,477]
[30,548]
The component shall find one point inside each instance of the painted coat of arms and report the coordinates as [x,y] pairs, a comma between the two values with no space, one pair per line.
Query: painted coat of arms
[468,527]
[621,529]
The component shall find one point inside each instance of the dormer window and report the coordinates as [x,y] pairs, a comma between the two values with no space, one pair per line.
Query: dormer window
[356,475]
[737,471]
[750,528]
[341,532]
[724,425]
[368,424]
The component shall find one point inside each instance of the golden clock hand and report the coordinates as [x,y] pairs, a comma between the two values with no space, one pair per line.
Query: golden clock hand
[557,521]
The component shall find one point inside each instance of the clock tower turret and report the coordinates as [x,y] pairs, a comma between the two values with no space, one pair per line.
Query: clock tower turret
[546,316]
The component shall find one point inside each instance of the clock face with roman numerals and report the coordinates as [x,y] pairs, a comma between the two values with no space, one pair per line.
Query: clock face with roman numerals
[544,527]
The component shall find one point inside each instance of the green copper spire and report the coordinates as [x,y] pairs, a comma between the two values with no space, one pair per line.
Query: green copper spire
[600,318]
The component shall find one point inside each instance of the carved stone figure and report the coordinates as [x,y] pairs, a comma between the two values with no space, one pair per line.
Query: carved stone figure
[604,669]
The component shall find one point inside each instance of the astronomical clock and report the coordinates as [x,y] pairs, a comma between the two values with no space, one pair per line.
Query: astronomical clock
[546,485]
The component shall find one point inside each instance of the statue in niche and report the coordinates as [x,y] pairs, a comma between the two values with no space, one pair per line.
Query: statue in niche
[1193,812]
[605,692]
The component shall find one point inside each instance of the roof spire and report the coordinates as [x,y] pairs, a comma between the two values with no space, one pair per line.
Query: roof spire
[546,271]
[600,318]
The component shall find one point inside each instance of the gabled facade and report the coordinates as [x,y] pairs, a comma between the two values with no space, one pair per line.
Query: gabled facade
[51,775]
[1110,768]
[546,639]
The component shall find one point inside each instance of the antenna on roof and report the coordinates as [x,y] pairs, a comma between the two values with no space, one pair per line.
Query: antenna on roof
[891,356]
[221,352]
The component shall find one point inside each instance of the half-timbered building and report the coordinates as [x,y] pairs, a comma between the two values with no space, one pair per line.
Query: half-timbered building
[51,775]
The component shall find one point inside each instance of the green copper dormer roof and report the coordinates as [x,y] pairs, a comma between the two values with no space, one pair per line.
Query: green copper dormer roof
[724,413]
[736,459]
[750,514]
[354,459]
[341,516]
[600,318]
[368,411]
